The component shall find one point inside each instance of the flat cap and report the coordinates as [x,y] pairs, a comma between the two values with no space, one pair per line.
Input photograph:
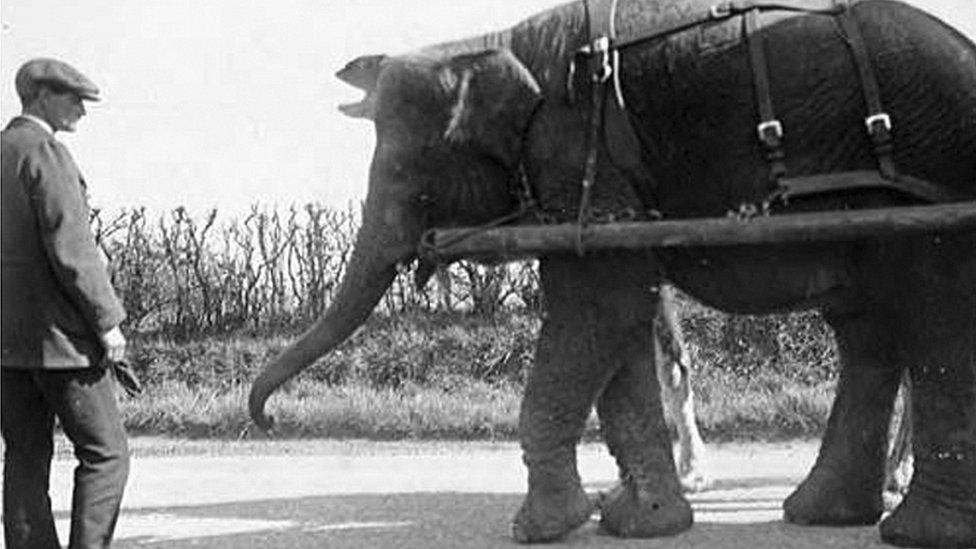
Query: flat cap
[57,74]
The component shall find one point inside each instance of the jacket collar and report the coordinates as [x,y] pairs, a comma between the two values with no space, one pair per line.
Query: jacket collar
[36,120]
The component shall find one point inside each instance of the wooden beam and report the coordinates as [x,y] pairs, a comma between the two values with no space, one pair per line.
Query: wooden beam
[532,240]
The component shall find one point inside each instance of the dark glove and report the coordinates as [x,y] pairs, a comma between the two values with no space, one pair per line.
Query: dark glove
[126,377]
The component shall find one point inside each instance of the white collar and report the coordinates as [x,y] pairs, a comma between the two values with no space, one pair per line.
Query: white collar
[39,121]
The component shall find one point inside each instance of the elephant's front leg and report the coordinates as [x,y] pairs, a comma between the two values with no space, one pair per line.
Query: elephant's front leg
[649,500]
[845,485]
[598,317]
[559,394]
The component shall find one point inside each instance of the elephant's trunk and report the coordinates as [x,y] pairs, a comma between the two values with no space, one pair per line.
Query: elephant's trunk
[371,271]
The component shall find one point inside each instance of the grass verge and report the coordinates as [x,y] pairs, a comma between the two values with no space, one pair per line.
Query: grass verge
[314,409]
[459,377]
[477,411]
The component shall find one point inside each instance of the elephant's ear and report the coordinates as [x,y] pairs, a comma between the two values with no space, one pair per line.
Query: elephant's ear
[362,72]
[494,98]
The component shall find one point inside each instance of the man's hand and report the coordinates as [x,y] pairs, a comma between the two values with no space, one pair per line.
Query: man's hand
[114,343]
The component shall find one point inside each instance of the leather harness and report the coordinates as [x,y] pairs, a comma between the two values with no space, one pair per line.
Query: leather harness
[601,55]
[609,119]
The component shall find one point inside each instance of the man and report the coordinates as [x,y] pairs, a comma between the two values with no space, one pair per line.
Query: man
[60,322]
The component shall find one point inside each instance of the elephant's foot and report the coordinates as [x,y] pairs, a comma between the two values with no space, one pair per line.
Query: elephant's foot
[632,512]
[828,498]
[923,522]
[549,514]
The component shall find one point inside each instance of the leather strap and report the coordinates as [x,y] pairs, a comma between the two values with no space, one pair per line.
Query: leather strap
[592,149]
[601,21]
[769,129]
[622,144]
[812,185]
[602,54]
[600,71]
[877,122]
[606,118]
[721,11]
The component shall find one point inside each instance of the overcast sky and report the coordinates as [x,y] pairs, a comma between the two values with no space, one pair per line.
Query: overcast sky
[230,102]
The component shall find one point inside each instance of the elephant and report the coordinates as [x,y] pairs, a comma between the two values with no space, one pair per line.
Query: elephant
[503,128]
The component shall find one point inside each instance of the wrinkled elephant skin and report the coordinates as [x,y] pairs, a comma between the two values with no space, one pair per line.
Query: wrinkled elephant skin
[459,125]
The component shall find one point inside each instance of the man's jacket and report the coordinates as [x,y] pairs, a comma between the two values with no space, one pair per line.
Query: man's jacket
[56,292]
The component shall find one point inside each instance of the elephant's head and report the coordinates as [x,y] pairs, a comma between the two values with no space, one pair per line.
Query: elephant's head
[449,135]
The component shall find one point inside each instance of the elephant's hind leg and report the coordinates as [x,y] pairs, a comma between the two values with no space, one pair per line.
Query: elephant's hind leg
[845,485]
[939,337]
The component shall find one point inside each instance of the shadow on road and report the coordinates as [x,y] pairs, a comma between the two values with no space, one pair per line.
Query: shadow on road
[371,520]
[423,520]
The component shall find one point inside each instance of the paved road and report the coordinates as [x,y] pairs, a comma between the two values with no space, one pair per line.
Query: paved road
[358,494]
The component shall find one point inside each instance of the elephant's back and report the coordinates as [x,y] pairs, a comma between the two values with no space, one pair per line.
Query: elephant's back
[693,97]
[927,73]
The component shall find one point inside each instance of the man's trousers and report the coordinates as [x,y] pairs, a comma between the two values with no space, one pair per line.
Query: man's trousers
[84,402]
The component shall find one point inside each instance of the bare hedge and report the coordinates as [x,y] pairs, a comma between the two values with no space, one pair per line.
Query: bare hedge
[183,277]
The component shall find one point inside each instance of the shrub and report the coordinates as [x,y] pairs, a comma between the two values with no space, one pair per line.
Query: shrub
[207,283]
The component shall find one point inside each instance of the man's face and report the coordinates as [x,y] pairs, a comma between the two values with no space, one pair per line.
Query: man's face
[61,108]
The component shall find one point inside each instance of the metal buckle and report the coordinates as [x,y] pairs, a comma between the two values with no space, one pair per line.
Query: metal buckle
[602,46]
[774,125]
[598,45]
[720,11]
[882,118]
